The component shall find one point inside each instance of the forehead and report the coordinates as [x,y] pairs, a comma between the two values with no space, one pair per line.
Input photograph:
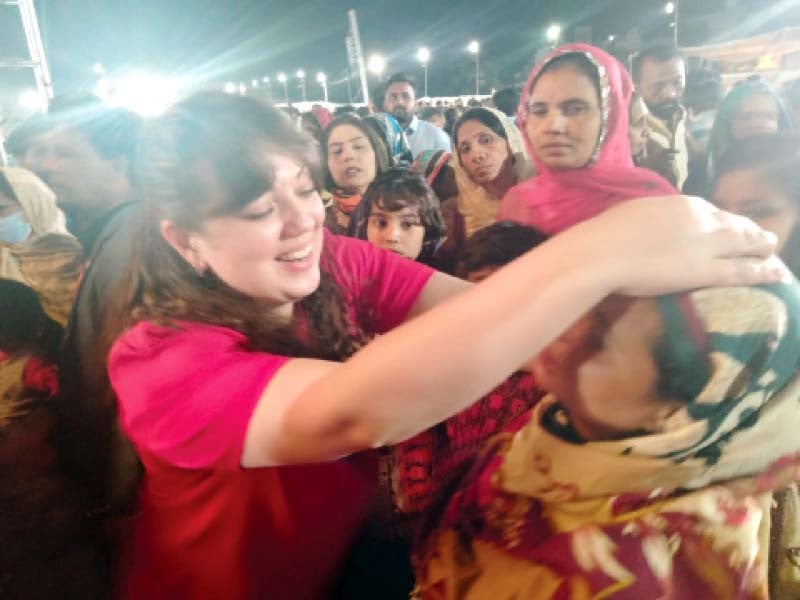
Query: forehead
[737,187]
[638,319]
[563,84]
[72,138]
[470,129]
[344,133]
[657,70]
[400,87]
[405,206]
[760,102]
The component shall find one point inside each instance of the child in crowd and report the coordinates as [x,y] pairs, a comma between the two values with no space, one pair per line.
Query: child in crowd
[650,468]
[495,246]
[399,212]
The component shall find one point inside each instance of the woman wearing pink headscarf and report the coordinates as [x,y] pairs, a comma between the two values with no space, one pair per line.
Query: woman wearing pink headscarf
[573,114]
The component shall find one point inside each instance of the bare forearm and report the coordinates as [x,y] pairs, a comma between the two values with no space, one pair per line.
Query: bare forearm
[447,358]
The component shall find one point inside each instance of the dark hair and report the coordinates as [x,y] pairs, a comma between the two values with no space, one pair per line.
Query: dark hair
[344,109]
[20,137]
[659,53]
[113,132]
[704,90]
[483,116]
[450,118]
[311,125]
[430,112]
[572,60]
[382,161]
[507,100]
[777,158]
[398,188]
[399,78]
[24,326]
[495,246]
[209,155]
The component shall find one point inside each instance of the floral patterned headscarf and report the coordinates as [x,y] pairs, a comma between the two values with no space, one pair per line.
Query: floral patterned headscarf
[678,512]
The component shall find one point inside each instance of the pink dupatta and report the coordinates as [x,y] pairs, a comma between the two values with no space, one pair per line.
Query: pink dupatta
[558,199]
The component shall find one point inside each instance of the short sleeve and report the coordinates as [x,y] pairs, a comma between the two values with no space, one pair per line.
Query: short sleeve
[186,395]
[381,286]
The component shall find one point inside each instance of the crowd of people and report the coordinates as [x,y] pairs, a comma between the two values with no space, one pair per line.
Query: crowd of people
[483,351]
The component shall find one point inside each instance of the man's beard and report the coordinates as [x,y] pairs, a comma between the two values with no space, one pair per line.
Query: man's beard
[403,116]
[666,110]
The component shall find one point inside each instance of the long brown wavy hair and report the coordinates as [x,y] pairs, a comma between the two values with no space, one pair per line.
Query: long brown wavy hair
[209,156]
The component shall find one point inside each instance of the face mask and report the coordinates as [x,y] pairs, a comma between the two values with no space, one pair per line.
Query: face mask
[14,229]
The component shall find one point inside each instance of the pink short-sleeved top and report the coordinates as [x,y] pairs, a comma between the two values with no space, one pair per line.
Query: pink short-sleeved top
[209,528]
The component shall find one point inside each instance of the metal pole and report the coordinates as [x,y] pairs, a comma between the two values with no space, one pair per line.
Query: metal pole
[303,88]
[425,67]
[675,28]
[477,73]
[325,91]
[359,56]
[286,93]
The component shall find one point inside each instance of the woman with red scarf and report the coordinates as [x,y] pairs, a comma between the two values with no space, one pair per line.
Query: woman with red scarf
[573,114]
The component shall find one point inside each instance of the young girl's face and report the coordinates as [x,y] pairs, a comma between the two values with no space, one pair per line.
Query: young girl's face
[747,192]
[400,231]
[603,372]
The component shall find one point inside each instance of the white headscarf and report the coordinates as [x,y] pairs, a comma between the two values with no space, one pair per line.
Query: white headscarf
[38,202]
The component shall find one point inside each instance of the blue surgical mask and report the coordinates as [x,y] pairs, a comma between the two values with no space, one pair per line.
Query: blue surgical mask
[14,228]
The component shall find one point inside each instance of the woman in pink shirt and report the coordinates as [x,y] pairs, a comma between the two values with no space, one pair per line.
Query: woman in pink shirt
[241,367]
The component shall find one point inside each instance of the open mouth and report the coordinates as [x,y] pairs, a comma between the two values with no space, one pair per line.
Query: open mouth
[296,256]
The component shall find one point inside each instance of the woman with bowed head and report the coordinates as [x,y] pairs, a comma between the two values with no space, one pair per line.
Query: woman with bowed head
[574,117]
[240,363]
[490,159]
[751,108]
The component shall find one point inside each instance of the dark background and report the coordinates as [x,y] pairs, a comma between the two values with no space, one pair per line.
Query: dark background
[237,40]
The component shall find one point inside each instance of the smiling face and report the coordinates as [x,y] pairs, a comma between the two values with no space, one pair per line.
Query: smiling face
[483,153]
[564,119]
[603,372]
[400,231]
[271,248]
[351,158]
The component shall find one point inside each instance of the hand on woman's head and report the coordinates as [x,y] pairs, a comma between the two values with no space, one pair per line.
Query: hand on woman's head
[659,245]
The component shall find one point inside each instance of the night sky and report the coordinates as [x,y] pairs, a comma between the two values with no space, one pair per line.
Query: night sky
[237,40]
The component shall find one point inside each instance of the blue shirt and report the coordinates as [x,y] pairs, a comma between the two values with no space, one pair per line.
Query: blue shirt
[424,136]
